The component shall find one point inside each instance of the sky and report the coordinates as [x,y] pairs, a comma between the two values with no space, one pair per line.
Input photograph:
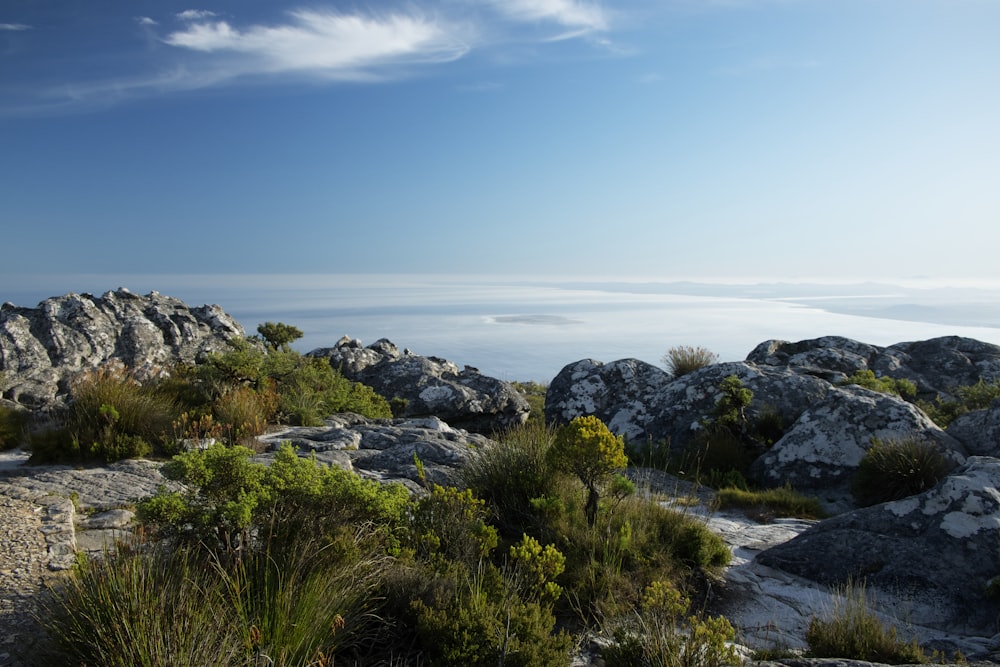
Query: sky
[694,139]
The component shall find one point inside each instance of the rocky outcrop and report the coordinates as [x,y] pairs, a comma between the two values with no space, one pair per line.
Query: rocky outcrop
[936,553]
[43,348]
[827,428]
[979,431]
[383,449]
[935,366]
[430,386]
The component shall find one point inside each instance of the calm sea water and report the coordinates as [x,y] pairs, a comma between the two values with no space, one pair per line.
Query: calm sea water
[528,329]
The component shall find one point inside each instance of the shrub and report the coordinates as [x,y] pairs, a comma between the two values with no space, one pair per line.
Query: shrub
[894,469]
[277,335]
[782,501]
[973,397]
[511,473]
[684,359]
[896,386]
[662,633]
[243,413]
[852,631]
[534,393]
[586,448]
[12,427]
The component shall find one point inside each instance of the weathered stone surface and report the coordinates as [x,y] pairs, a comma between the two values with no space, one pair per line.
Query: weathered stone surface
[934,553]
[978,431]
[43,348]
[384,449]
[820,452]
[431,386]
[935,366]
[828,427]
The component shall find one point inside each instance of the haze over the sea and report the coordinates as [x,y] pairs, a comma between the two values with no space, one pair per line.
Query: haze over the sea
[528,328]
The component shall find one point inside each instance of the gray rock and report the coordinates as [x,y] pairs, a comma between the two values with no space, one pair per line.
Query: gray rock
[978,431]
[830,357]
[42,349]
[431,386]
[384,449]
[934,553]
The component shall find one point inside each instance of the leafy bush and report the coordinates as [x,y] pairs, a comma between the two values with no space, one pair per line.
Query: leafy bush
[12,427]
[511,473]
[662,633]
[586,448]
[885,384]
[782,501]
[451,526]
[278,335]
[894,469]
[110,416]
[684,359]
[852,631]
[974,397]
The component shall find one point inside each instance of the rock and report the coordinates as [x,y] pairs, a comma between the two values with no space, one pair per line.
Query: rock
[42,349]
[384,449]
[431,386]
[935,366]
[931,556]
[827,428]
[820,452]
[978,431]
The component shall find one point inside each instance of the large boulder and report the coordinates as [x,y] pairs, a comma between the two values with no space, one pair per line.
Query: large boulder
[827,428]
[43,348]
[430,386]
[385,449]
[978,431]
[935,366]
[934,555]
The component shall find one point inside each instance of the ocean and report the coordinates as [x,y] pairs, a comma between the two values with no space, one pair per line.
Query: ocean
[528,328]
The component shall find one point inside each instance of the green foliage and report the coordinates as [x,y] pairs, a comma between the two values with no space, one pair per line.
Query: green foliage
[684,359]
[229,495]
[243,413]
[973,397]
[663,633]
[730,409]
[277,335]
[586,448]
[782,501]
[110,416]
[886,385]
[12,427]
[852,631]
[157,605]
[894,469]
[450,525]
[534,393]
[511,473]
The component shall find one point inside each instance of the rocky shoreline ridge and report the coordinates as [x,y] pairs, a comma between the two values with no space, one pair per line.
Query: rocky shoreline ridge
[930,557]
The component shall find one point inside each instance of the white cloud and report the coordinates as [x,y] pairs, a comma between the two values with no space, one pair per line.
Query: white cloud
[14,27]
[580,16]
[195,15]
[145,20]
[324,43]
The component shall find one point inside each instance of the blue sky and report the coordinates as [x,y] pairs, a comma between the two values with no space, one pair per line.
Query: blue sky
[780,139]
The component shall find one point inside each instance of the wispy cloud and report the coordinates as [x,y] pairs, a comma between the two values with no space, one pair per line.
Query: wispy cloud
[195,15]
[327,44]
[145,20]
[14,27]
[579,17]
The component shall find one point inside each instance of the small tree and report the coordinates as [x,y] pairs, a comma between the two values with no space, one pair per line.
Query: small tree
[586,448]
[278,335]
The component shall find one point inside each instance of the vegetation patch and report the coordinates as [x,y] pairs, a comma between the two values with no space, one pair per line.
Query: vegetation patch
[943,411]
[886,385]
[782,501]
[895,469]
[684,359]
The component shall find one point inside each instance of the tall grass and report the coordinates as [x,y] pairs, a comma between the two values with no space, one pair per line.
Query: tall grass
[853,631]
[895,469]
[782,501]
[684,359]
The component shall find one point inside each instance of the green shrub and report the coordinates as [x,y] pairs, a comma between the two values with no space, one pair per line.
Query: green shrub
[894,469]
[852,631]
[782,501]
[886,385]
[450,525]
[277,335]
[684,359]
[52,446]
[243,413]
[12,427]
[586,448]
[973,397]
[511,473]
[662,633]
